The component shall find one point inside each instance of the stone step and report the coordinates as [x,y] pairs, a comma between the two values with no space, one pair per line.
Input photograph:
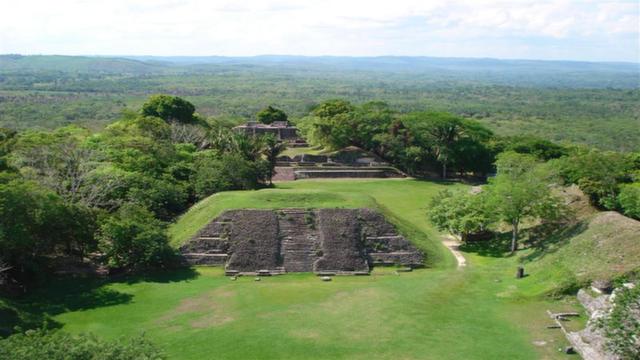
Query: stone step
[295,211]
[385,237]
[298,243]
[204,259]
[207,255]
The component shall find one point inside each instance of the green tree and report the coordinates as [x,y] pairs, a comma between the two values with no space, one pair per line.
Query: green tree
[447,136]
[444,130]
[629,199]
[7,139]
[169,108]
[540,148]
[520,190]
[35,222]
[461,213]
[272,149]
[599,174]
[230,171]
[133,238]
[270,114]
[331,108]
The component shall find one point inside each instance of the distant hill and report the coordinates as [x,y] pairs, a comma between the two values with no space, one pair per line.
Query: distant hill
[77,64]
[597,104]
[492,71]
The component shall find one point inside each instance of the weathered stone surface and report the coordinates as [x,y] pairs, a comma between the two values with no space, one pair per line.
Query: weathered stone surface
[254,241]
[590,342]
[346,173]
[342,245]
[326,241]
[300,243]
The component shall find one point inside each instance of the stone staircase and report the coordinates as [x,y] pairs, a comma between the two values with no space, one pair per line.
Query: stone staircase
[299,239]
[210,248]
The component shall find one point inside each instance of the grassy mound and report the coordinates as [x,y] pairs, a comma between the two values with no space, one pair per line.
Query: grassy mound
[595,246]
[605,245]
[403,202]
[206,210]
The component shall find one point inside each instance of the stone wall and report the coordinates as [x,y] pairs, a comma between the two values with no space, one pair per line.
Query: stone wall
[342,243]
[254,242]
[300,240]
[346,173]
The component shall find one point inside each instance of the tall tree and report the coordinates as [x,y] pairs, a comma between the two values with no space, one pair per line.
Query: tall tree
[169,108]
[520,190]
[272,149]
[443,130]
[270,114]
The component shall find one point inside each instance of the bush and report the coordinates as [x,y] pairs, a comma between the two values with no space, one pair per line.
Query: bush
[59,345]
[599,174]
[228,172]
[134,238]
[629,200]
[34,222]
[461,213]
[270,114]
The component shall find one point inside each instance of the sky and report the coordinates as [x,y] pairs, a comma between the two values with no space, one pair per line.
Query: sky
[544,29]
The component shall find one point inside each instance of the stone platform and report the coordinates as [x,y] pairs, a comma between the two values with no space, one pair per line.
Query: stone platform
[340,241]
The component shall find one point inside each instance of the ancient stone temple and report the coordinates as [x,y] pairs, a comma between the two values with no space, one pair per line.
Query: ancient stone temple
[282,130]
[341,241]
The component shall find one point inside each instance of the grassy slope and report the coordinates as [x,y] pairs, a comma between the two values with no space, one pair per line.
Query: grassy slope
[604,245]
[433,313]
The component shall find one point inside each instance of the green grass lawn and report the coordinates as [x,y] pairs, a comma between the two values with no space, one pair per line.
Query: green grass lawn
[441,312]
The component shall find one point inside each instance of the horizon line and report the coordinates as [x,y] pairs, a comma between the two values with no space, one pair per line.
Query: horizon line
[331,56]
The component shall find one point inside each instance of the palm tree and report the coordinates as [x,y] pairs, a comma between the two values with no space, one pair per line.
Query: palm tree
[272,148]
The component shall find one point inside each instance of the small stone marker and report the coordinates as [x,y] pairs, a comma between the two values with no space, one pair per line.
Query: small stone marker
[326,278]
[257,279]
[231,272]
[264,273]
[520,273]
[602,286]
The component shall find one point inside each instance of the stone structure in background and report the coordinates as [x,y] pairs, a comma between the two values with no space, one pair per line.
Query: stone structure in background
[350,162]
[283,130]
[325,241]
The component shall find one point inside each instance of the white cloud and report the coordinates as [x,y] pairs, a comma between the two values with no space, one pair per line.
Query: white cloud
[336,27]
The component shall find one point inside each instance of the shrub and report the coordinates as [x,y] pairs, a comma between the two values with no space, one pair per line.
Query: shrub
[622,324]
[59,345]
[629,199]
[228,172]
[461,213]
[134,238]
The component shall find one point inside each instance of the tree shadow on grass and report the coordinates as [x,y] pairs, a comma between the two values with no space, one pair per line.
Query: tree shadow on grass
[547,239]
[544,239]
[159,276]
[60,295]
[498,246]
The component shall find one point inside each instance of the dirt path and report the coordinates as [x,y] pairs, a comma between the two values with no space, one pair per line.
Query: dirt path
[452,244]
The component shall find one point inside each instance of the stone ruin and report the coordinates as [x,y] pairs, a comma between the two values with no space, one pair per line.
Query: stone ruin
[282,130]
[324,241]
[350,162]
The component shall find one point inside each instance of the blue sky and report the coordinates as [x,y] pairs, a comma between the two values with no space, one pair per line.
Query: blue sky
[553,29]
